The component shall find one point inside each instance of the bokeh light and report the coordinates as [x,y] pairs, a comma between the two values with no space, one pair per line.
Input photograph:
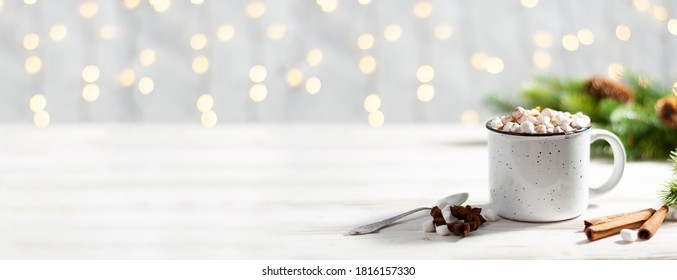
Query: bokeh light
[225,32]
[58,32]
[615,71]
[392,32]
[127,77]
[376,119]
[494,65]
[258,92]
[208,119]
[147,57]
[91,92]
[313,85]
[258,73]
[529,3]
[37,103]
[41,119]
[205,103]
[198,41]
[200,64]
[33,64]
[641,5]
[256,9]
[443,31]
[478,60]
[31,41]
[470,118]
[276,31]
[294,77]
[108,32]
[570,42]
[586,36]
[365,41]
[672,26]
[88,9]
[660,12]
[372,103]
[425,73]
[146,85]
[623,32]
[543,39]
[425,92]
[131,4]
[542,59]
[423,9]
[367,64]
[314,57]
[90,73]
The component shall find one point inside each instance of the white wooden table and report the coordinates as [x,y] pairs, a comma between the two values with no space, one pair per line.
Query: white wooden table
[276,192]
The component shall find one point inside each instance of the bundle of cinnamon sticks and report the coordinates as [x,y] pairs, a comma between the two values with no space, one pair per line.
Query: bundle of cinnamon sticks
[648,220]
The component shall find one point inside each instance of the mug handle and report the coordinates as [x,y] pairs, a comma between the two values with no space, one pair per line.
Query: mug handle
[619,159]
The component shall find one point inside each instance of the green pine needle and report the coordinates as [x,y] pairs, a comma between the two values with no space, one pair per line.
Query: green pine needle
[669,193]
[673,156]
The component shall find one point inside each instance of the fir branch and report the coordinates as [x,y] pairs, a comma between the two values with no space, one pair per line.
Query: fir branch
[673,157]
[669,193]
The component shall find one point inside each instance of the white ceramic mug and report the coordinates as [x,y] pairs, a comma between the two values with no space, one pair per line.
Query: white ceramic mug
[544,177]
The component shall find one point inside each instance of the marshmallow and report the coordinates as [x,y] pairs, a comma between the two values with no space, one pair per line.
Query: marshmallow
[540,129]
[532,119]
[557,129]
[518,112]
[567,128]
[507,118]
[527,127]
[515,128]
[543,119]
[490,215]
[534,112]
[580,122]
[629,235]
[549,128]
[496,123]
[508,126]
[562,120]
[547,112]
[442,230]
[428,226]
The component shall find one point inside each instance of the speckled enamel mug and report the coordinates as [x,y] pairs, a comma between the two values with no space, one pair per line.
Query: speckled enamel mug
[545,177]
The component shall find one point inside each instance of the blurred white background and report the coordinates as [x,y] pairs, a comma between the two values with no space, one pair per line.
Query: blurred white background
[363,61]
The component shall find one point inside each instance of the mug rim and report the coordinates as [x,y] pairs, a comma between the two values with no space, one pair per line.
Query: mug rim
[580,130]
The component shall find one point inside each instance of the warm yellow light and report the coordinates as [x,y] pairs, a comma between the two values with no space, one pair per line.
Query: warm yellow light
[367,64]
[127,77]
[529,3]
[313,85]
[146,85]
[623,32]
[205,103]
[256,9]
[364,2]
[108,32]
[314,57]
[443,31]
[91,92]
[660,12]
[258,73]
[197,2]
[376,119]
[425,73]
[615,71]
[90,73]
[225,32]
[147,57]
[37,103]
[31,41]
[672,26]
[41,119]
[2,4]
[276,31]
[494,65]
[470,117]
[674,88]
[200,64]
[542,59]
[131,4]
[543,39]
[586,37]
[570,42]
[258,92]
[30,2]
[423,9]
[208,119]
[33,64]
[392,32]
[478,60]
[327,6]
[160,6]
[198,41]
[58,32]
[365,41]
[88,9]
[294,77]
[425,92]
[372,103]
[641,5]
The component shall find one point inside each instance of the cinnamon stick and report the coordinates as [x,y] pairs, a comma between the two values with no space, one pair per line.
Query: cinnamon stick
[605,219]
[613,226]
[650,227]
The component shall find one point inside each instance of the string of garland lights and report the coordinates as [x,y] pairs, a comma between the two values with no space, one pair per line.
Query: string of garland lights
[370,45]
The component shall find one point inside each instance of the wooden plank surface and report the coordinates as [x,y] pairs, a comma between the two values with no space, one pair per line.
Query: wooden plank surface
[276,192]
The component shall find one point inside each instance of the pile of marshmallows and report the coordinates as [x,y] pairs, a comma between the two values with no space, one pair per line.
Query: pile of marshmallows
[540,122]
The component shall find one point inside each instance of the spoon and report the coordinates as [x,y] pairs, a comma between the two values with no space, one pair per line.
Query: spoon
[454,199]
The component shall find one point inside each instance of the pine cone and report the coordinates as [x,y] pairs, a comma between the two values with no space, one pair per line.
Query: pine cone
[601,88]
[666,111]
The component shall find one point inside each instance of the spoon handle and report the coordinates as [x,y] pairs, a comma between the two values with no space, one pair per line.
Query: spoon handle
[381,224]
